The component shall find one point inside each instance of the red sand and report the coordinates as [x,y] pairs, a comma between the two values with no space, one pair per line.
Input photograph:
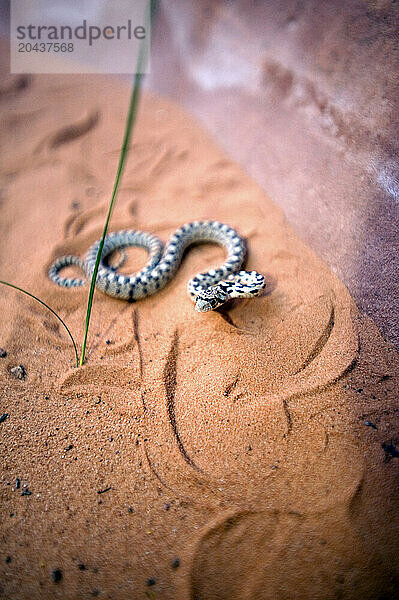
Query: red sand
[256,445]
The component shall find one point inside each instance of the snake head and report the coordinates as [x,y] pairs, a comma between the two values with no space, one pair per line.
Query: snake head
[210,299]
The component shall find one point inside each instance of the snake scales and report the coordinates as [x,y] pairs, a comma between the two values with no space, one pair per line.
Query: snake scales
[208,290]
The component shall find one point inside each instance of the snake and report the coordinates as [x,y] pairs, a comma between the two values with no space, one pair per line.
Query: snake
[208,290]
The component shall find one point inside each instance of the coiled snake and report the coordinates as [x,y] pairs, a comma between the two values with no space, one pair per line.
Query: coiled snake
[207,290]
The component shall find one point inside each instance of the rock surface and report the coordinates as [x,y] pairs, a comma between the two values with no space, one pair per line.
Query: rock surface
[304,95]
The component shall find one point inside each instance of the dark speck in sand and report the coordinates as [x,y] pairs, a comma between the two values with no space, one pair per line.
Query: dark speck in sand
[104,490]
[56,575]
[26,492]
[8,559]
[131,510]
[370,424]
[69,447]
[82,567]
[151,581]
[166,506]
[3,417]
[95,592]
[17,483]
[3,353]
[390,450]
[175,563]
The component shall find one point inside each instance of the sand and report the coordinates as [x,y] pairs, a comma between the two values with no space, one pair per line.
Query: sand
[244,454]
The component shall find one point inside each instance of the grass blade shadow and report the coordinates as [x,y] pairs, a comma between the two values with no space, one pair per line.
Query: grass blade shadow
[15,287]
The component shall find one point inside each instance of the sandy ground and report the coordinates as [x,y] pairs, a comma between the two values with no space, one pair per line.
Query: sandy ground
[245,454]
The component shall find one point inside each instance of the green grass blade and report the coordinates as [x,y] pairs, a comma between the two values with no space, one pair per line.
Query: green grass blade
[131,117]
[15,287]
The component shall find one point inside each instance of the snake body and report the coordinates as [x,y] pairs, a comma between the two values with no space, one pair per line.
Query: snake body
[208,290]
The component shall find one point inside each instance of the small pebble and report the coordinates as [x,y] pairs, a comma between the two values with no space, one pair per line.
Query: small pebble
[56,575]
[3,353]
[82,567]
[17,483]
[131,510]
[8,559]
[176,563]
[166,506]
[26,492]
[370,424]
[19,372]
[3,417]
[151,582]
